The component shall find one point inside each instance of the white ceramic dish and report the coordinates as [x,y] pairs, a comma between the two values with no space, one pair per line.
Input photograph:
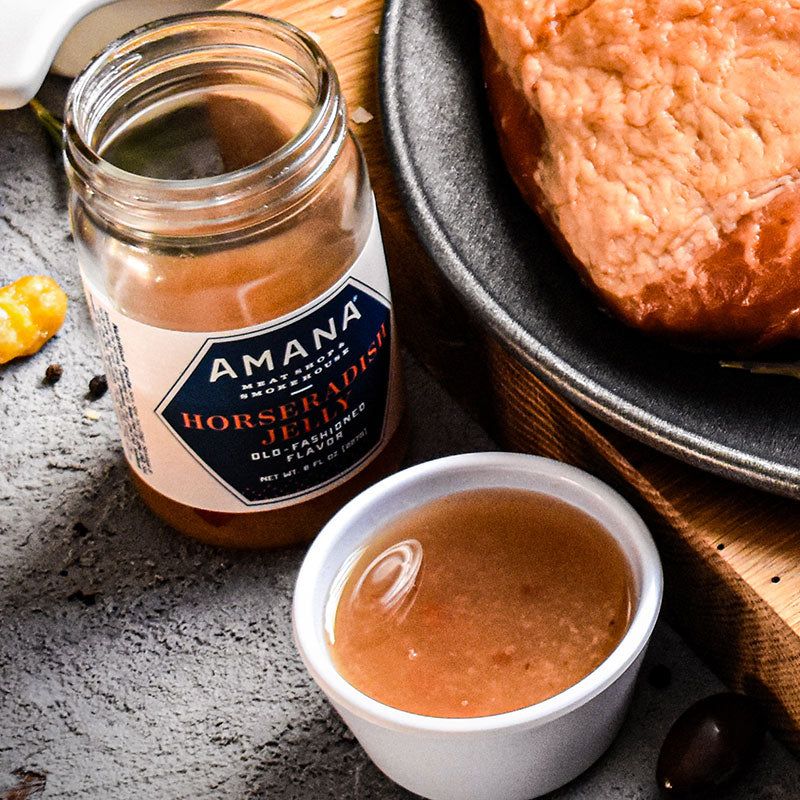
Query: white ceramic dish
[106,23]
[39,33]
[512,756]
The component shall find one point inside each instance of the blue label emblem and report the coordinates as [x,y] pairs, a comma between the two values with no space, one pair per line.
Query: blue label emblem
[280,412]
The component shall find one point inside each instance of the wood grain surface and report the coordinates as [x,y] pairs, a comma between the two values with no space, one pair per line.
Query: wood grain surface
[730,553]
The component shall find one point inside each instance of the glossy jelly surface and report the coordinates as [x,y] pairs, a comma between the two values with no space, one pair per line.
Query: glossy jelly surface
[480,603]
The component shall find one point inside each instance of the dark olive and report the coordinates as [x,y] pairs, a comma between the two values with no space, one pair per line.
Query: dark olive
[709,745]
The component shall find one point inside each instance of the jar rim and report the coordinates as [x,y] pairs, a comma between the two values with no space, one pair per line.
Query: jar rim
[115,69]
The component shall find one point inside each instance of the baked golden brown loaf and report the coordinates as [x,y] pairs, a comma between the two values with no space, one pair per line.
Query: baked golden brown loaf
[659,140]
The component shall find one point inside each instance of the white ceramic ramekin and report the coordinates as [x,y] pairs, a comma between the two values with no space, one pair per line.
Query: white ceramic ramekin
[512,756]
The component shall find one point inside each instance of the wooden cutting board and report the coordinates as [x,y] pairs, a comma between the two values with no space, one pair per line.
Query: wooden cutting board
[730,553]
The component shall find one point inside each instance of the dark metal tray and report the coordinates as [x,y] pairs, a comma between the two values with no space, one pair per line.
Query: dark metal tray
[503,265]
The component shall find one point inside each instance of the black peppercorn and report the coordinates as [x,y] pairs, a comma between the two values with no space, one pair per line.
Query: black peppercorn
[52,374]
[98,386]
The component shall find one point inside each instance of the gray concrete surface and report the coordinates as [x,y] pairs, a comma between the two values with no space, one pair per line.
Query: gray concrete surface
[137,663]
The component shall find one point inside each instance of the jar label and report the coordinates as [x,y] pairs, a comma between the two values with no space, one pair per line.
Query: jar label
[262,416]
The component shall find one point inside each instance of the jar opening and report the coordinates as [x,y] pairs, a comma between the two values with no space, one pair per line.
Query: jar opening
[209,128]
[227,102]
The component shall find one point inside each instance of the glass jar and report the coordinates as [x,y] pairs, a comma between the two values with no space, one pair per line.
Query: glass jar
[232,261]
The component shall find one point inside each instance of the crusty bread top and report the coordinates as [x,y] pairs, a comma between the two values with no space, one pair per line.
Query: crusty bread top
[664,123]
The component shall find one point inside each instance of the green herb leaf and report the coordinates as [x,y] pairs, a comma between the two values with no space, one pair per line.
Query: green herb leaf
[792,369]
[52,124]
